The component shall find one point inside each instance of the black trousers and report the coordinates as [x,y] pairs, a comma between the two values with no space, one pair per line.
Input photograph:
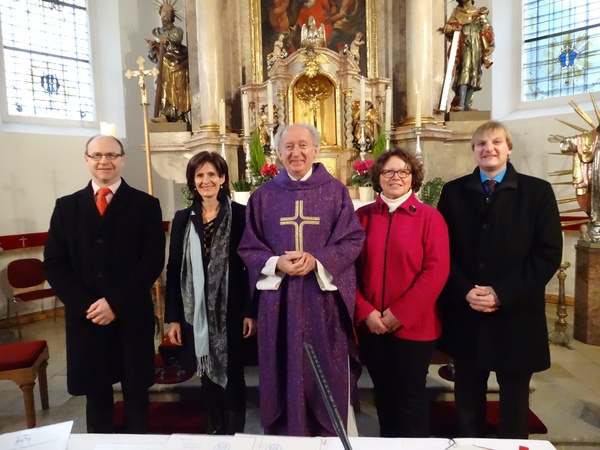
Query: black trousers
[398,368]
[99,409]
[470,393]
[226,407]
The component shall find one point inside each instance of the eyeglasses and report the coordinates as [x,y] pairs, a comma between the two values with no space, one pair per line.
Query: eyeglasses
[99,156]
[389,173]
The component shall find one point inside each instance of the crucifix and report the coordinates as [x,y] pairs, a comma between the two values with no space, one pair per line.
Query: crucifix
[141,73]
[298,221]
[23,240]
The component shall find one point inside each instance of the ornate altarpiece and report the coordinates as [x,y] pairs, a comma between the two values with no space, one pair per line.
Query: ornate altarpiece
[318,86]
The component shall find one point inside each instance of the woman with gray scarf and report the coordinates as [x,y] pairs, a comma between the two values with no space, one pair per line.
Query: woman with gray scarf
[207,287]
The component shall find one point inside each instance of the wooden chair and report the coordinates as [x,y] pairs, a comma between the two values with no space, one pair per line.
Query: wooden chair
[27,281]
[22,363]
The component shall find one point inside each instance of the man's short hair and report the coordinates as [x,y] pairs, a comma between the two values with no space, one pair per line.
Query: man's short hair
[492,125]
[316,136]
[98,136]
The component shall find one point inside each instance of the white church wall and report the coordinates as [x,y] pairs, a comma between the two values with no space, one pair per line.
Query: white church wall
[41,163]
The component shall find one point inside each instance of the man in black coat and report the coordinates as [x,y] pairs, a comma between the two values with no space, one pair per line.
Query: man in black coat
[102,266]
[505,245]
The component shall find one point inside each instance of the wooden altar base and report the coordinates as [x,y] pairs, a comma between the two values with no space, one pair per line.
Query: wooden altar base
[586,322]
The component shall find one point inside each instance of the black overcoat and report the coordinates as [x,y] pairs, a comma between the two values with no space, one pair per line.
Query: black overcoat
[512,242]
[117,256]
[239,304]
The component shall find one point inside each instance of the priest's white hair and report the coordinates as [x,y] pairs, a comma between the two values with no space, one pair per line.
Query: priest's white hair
[316,136]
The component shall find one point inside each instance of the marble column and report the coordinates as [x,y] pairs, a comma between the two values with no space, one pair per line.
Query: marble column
[586,325]
[419,58]
[210,88]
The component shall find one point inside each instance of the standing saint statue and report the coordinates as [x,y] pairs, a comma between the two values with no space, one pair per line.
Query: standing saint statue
[586,175]
[171,56]
[476,43]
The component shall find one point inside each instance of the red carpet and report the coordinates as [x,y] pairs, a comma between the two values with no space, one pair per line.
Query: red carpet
[170,417]
[444,422]
[187,417]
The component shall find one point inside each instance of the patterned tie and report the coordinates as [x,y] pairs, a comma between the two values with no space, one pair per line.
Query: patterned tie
[491,185]
[101,202]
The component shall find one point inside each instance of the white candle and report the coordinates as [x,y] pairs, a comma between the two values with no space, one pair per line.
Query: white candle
[108,129]
[418,111]
[388,108]
[245,114]
[222,116]
[362,98]
[269,101]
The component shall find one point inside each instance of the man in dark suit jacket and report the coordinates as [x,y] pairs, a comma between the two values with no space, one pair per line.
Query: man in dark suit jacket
[505,245]
[102,267]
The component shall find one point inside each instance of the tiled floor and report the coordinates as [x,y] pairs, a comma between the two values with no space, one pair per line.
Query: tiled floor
[567,396]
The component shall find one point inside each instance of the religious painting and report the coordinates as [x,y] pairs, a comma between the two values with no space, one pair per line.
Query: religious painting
[344,21]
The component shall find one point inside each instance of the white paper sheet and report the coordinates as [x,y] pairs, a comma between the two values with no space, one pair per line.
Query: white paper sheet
[49,437]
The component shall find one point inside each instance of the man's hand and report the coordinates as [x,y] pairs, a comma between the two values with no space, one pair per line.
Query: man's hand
[249,327]
[296,263]
[375,324]
[483,299]
[100,312]
[390,321]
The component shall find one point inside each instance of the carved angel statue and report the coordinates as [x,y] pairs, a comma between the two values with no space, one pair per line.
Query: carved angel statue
[278,51]
[355,46]
[311,36]
[263,124]
[586,169]
[372,119]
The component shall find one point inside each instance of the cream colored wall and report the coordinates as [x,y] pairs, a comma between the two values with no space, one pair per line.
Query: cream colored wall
[40,163]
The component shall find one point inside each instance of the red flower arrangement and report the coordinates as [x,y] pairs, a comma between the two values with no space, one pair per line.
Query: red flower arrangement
[362,177]
[268,172]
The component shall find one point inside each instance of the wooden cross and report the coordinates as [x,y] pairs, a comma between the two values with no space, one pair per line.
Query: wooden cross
[298,220]
[141,73]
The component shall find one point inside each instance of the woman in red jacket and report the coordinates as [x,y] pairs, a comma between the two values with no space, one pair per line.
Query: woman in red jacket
[401,271]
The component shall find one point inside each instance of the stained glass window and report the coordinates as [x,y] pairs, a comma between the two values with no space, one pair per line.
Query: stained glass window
[46,54]
[561,48]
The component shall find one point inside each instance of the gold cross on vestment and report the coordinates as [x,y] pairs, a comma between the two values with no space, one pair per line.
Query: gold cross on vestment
[141,73]
[298,220]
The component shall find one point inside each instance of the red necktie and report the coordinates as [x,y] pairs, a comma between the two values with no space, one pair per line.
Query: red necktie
[101,202]
[491,185]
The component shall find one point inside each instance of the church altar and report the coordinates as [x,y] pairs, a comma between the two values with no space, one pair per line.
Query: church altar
[400,49]
[255,442]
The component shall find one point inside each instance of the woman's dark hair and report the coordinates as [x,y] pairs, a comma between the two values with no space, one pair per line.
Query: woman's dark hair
[415,166]
[197,161]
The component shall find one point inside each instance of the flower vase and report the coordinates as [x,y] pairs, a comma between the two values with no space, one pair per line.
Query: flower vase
[241,197]
[365,193]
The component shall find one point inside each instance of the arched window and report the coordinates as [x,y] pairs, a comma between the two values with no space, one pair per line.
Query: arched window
[46,59]
[561,48]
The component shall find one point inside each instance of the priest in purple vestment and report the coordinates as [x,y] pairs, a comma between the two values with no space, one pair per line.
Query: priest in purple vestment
[300,243]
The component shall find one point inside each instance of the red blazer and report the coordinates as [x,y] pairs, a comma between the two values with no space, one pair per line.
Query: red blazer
[403,266]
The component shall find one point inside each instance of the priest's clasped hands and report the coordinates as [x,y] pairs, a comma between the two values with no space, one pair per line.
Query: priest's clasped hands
[296,263]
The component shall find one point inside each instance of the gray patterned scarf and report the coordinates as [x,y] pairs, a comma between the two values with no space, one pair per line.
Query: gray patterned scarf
[205,296]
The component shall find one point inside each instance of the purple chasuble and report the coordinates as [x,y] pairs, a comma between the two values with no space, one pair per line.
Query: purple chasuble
[316,216]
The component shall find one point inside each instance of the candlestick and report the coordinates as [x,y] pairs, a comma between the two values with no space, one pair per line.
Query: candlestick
[388,108]
[222,116]
[418,111]
[245,114]
[362,98]
[269,102]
